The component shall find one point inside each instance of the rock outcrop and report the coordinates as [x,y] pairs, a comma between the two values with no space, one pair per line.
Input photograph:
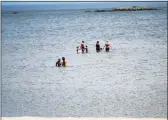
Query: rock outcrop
[134,8]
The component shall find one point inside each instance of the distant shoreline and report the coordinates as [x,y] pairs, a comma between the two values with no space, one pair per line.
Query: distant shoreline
[83,9]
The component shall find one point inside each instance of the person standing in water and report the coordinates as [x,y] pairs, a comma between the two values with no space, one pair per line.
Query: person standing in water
[86,49]
[64,62]
[107,46]
[82,46]
[77,49]
[98,47]
[58,63]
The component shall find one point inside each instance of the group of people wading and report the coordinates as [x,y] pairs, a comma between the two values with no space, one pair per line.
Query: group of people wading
[84,48]
[60,63]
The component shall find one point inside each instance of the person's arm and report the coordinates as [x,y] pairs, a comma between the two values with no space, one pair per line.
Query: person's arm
[56,64]
[110,46]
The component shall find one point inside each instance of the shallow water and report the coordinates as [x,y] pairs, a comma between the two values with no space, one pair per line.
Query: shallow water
[129,81]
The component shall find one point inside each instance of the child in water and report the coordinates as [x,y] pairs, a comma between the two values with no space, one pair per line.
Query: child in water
[58,63]
[77,49]
[86,49]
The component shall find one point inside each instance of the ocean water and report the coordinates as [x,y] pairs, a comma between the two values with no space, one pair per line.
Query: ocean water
[129,81]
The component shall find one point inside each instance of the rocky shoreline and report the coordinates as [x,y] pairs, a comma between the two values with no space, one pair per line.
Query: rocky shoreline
[134,8]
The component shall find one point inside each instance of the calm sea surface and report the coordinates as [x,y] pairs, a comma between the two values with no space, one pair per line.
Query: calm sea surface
[129,81]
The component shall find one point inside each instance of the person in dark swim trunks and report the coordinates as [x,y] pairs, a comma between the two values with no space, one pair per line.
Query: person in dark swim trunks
[98,47]
[107,46]
[58,63]
[86,49]
[83,47]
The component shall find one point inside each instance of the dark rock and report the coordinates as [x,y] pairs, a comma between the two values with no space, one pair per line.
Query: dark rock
[88,11]
[15,12]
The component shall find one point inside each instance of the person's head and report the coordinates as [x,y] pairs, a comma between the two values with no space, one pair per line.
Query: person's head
[106,41]
[97,41]
[82,41]
[86,46]
[63,58]
[77,47]
[59,59]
